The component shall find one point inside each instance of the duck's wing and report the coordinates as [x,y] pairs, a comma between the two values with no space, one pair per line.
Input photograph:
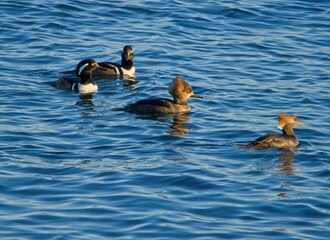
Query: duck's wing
[108,69]
[150,106]
[162,102]
[109,65]
[266,141]
[64,83]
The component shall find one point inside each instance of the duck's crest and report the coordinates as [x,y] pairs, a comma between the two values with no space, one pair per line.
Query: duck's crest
[179,86]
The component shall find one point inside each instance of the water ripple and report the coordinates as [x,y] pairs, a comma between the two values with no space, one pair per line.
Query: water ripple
[72,167]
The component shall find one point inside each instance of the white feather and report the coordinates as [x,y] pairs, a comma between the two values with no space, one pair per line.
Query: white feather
[117,70]
[130,72]
[82,68]
[88,88]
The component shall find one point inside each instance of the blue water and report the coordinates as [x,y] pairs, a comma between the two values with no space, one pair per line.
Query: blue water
[73,168]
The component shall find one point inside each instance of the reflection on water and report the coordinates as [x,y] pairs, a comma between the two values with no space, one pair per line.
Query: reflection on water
[181,159]
[85,100]
[98,173]
[286,161]
[178,123]
[286,166]
[130,81]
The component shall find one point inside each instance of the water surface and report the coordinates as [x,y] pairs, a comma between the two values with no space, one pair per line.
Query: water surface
[73,168]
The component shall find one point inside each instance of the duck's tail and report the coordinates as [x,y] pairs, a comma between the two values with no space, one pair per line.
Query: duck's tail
[248,146]
[69,72]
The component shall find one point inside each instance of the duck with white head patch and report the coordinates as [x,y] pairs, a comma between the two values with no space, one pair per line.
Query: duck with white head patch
[85,84]
[126,68]
[180,91]
[110,70]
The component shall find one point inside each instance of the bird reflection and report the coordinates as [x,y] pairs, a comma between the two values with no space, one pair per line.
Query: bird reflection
[286,166]
[130,80]
[85,100]
[178,122]
[286,159]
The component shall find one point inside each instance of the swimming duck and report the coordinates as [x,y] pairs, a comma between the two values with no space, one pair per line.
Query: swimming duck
[180,91]
[110,69]
[286,122]
[126,68]
[85,84]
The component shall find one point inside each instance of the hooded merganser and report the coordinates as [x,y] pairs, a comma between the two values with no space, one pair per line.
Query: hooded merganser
[126,68]
[110,69]
[85,84]
[286,122]
[180,91]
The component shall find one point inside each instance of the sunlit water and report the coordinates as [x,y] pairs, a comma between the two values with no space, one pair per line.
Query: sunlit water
[73,168]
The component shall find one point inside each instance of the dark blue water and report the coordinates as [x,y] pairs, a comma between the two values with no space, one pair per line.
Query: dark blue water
[73,168]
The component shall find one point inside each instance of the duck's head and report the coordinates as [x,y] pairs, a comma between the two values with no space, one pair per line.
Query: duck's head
[180,89]
[86,65]
[127,54]
[287,119]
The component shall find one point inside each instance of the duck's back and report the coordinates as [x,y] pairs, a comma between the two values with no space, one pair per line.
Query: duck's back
[108,69]
[64,83]
[272,140]
[159,105]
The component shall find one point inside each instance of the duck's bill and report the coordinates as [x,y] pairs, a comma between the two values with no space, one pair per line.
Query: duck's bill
[196,96]
[300,123]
